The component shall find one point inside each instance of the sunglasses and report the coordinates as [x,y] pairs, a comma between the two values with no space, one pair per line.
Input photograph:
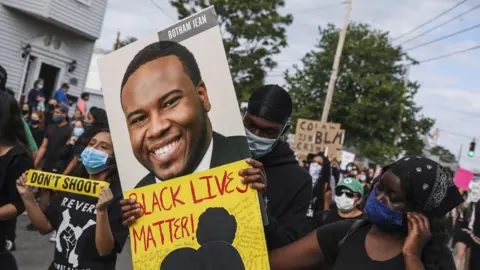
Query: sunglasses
[348,193]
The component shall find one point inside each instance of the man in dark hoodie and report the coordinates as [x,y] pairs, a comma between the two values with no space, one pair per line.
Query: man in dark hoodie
[289,187]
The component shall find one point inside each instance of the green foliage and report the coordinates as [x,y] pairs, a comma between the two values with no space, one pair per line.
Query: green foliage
[370,99]
[444,154]
[123,42]
[252,32]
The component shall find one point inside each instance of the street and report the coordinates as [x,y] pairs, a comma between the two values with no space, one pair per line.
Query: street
[35,252]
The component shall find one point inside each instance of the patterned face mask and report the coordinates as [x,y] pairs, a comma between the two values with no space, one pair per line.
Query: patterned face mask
[385,218]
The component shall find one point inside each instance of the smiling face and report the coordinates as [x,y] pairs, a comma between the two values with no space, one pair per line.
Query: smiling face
[166,117]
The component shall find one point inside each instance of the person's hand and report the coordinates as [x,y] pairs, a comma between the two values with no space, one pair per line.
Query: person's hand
[104,199]
[418,235]
[23,189]
[73,140]
[131,211]
[255,176]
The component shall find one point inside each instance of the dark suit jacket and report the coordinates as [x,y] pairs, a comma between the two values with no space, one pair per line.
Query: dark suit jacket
[225,150]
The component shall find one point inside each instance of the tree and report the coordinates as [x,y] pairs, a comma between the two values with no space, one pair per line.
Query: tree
[372,100]
[444,154]
[252,32]
[119,43]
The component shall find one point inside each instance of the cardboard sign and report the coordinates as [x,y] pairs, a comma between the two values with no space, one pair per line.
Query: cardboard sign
[316,136]
[205,219]
[65,183]
[462,178]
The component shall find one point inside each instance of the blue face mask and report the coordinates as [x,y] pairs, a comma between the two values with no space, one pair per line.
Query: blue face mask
[77,132]
[57,118]
[94,160]
[382,216]
[259,146]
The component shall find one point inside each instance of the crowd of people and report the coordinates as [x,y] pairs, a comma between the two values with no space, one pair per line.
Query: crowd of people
[320,216]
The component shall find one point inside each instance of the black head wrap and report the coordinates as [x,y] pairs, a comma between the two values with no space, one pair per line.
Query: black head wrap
[271,102]
[433,187]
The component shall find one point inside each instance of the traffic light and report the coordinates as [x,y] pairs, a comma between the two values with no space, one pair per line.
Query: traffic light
[471,150]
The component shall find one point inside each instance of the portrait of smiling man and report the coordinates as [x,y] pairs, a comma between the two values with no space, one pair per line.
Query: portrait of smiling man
[166,105]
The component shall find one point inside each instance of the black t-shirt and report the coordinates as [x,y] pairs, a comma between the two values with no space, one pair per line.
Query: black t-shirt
[352,254]
[57,138]
[73,216]
[328,216]
[38,135]
[12,165]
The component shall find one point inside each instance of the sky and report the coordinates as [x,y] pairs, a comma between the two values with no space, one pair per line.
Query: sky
[450,88]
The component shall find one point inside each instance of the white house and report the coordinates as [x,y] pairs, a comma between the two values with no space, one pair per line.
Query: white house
[49,39]
[93,85]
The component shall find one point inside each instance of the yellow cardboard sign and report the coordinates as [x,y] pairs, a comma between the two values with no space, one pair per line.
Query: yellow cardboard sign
[65,183]
[205,220]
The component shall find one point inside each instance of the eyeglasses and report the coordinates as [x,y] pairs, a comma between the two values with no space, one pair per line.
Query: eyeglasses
[348,193]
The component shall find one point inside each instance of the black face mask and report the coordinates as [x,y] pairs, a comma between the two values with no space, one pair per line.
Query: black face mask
[25,112]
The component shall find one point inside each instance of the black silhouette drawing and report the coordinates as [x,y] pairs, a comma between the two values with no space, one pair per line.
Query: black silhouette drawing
[215,234]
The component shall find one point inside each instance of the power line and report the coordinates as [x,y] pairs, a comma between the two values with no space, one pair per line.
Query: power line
[449,54]
[431,20]
[443,37]
[162,10]
[319,8]
[438,26]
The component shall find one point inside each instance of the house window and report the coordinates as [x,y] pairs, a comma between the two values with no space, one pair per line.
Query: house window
[85,2]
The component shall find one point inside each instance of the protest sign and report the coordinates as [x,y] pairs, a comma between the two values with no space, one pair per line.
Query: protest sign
[462,178]
[347,157]
[170,97]
[204,219]
[65,183]
[316,136]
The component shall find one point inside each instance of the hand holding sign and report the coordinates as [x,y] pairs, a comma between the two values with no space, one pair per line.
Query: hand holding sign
[23,189]
[131,211]
[104,199]
[255,176]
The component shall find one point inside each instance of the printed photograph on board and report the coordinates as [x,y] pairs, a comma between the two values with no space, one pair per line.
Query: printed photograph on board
[171,103]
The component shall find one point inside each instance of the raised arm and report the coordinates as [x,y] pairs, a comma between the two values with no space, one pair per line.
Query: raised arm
[302,254]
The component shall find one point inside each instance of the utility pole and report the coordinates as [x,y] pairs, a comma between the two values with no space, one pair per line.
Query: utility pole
[460,153]
[336,63]
[405,85]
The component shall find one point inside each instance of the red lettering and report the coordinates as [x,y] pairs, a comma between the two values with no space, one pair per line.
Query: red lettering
[230,179]
[159,224]
[150,238]
[175,195]
[192,189]
[244,190]
[161,199]
[138,237]
[170,221]
[209,190]
[177,227]
[155,202]
[143,205]
[184,227]
[221,188]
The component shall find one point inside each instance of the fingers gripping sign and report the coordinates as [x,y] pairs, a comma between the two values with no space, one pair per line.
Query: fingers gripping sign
[255,176]
[104,199]
[23,189]
[131,211]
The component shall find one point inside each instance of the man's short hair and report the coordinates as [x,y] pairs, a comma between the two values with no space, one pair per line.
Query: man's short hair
[63,108]
[163,49]
[65,86]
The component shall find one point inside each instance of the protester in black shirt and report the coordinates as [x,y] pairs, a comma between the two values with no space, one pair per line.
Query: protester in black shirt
[404,229]
[14,160]
[36,127]
[90,233]
[48,114]
[348,195]
[289,185]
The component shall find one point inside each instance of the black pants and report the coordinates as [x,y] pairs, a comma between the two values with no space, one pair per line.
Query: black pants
[11,230]
[7,261]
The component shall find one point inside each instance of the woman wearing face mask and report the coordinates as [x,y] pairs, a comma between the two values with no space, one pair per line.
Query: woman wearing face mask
[36,127]
[26,112]
[348,195]
[102,233]
[404,229]
[96,119]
